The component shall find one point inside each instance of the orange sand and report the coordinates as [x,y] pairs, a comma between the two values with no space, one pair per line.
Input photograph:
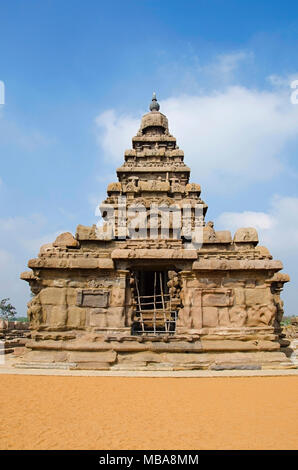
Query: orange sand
[51,412]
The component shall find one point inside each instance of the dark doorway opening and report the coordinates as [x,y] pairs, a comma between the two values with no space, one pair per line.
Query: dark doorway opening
[154,313]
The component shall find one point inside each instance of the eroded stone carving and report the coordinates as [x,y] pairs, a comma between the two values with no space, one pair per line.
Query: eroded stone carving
[35,312]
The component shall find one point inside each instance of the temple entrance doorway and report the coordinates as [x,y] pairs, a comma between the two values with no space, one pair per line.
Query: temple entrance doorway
[154,313]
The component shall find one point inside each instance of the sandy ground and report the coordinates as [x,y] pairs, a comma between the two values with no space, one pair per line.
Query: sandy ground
[50,412]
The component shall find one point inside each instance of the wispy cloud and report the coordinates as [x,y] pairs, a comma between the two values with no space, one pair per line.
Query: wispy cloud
[13,134]
[225,66]
[278,231]
[232,137]
[114,133]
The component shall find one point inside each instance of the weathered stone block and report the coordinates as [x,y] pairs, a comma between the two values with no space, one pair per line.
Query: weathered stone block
[116,317]
[96,356]
[184,318]
[57,315]
[84,232]
[114,187]
[46,248]
[216,299]
[263,251]
[246,235]
[144,356]
[258,296]
[181,358]
[223,317]
[105,263]
[238,315]
[46,356]
[196,298]
[53,296]
[117,296]
[193,187]
[76,317]
[239,296]
[257,357]
[210,317]
[71,296]
[98,317]
[66,240]
[235,345]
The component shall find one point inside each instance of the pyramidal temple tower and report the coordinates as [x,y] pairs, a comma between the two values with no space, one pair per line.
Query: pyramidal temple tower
[155,287]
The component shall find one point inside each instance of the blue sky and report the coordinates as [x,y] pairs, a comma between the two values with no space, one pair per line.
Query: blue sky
[78,77]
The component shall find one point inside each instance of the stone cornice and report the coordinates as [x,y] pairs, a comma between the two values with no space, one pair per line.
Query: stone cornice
[236,265]
[154,253]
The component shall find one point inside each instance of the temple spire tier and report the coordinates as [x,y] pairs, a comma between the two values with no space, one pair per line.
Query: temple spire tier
[155,155]
[154,170]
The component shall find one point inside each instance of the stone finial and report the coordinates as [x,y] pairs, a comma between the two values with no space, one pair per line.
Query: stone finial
[154,106]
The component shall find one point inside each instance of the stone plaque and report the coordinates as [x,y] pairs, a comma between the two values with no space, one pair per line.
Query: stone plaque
[217,298]
[96,298]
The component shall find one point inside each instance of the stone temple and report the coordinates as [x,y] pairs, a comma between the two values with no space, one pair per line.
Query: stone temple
[136,293]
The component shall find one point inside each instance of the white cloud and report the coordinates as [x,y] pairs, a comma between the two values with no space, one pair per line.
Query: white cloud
[231,138]
[281,81]
[236,135]
[115,133]
[278,228]
[278,231]
[259,220]
[225,65]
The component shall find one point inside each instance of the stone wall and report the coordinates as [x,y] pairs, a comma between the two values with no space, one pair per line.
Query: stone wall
[83,301]
[13,336]
[221,300]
